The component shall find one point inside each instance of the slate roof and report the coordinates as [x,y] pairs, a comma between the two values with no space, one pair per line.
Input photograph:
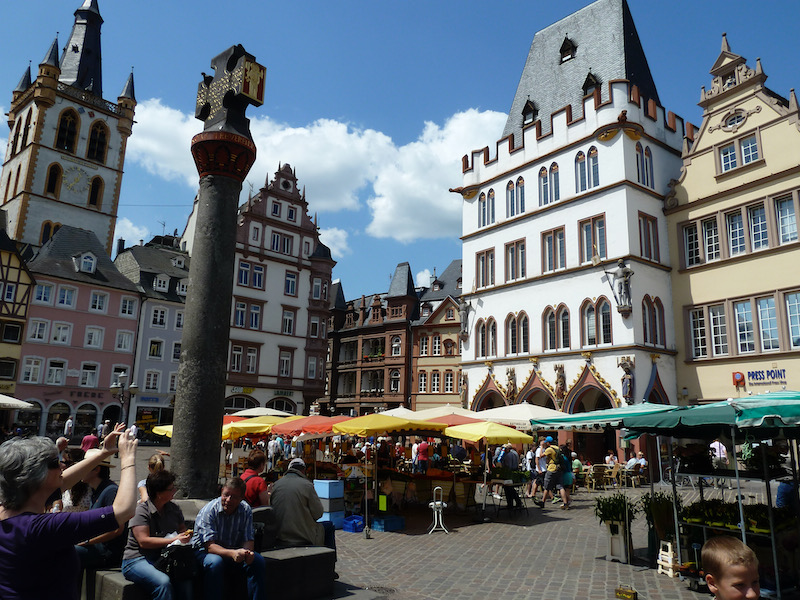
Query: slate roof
[402,282]
[449,280]
[141,264]
[55,258]
[337,296]
[606,43]
[81,62]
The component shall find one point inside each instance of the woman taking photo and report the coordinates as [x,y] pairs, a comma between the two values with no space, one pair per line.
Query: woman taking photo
[30,538]
[154,526]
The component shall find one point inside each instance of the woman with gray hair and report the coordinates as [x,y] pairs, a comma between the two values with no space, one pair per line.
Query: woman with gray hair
[30,538]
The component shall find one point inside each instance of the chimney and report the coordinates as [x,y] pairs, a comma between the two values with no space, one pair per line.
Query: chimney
[141,242]
[120,246]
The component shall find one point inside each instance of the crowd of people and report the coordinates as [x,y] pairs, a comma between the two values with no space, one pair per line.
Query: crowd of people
[60,507]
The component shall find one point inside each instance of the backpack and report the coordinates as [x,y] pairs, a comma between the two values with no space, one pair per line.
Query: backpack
[558,459]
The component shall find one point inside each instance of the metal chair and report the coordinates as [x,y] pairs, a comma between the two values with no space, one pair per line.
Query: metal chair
[437,505]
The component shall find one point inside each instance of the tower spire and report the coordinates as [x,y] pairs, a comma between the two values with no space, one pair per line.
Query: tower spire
[81,62]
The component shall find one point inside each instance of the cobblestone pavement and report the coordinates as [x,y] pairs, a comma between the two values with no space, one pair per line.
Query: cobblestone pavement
[548,554]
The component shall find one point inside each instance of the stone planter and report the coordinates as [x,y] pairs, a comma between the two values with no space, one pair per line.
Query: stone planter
[619,542]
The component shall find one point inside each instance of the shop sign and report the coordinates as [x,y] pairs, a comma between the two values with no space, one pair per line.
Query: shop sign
[73,373]
[150,399]
[82,394]
[237,389]
[767,377]
[283,392]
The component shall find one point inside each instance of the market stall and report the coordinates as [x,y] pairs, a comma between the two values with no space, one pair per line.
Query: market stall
[755,424]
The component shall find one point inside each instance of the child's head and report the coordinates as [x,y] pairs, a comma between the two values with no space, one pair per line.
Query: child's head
[731,569]
[156,463]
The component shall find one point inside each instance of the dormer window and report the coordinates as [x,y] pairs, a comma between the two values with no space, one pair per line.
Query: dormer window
[161,283]
[183,287]
[426,310]
[458,283]
[590,84]
[529,112]
[437,285]
[178,262]
[567,50]
[86,263]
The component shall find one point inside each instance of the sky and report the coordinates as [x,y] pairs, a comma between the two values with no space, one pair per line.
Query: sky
[372,103]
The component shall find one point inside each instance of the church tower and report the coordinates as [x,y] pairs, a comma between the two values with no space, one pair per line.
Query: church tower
[66,145]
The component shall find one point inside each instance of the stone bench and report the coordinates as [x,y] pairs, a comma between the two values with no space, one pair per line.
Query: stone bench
[292,574]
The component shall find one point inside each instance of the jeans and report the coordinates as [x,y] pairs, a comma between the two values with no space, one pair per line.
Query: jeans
[156,583]
[214,567]
[330,536]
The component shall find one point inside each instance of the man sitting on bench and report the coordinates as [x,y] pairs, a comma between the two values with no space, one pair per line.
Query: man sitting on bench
[297,508]
[224,541]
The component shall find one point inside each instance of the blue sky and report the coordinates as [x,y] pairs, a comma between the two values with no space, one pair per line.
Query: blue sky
[373,103]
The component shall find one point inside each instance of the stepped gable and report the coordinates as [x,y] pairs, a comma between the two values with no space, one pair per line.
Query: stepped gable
[600,40]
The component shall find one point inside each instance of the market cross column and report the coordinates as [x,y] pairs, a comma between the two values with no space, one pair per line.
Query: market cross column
[223,154]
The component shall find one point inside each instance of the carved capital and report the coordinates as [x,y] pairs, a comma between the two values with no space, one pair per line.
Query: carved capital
[223,153]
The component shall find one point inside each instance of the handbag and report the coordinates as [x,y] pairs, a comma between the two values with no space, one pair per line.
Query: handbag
[177,561]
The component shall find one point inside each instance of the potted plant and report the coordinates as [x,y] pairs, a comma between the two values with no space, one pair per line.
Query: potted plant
[617,511]
[659,511]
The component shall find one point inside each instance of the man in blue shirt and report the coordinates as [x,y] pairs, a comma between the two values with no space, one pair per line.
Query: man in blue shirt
[223,540]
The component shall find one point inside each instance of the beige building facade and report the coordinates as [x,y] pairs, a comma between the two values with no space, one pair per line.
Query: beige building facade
[732,220]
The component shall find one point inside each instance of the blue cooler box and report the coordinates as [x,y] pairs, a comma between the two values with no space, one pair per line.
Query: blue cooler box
[337,518]
[329,488]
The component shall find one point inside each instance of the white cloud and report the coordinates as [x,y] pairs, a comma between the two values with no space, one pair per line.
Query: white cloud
[130,233]
[411,199]
[335,239]
[160,142]
[333,161]
[423,278]
[405,188]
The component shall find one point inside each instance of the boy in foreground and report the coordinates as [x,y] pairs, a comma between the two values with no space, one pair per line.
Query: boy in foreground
[731,569]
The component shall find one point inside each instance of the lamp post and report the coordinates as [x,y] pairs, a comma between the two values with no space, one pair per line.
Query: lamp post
[118,390]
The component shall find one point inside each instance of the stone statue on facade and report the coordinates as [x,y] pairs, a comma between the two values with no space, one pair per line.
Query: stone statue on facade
[561,383]
[511,389]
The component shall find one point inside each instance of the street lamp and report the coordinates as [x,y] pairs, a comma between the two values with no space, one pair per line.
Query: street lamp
[118,391]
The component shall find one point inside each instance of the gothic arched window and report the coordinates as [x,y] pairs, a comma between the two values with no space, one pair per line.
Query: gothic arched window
[98,142]
[96,192]
[67,136]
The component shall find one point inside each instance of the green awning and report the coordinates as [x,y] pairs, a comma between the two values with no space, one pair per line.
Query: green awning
[600,419]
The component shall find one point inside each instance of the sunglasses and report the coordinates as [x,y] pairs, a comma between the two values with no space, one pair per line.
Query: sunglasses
[53,463]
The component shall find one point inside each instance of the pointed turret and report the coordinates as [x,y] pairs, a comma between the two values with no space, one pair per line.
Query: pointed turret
[51,58]
[127,91]
[127,103]
[47,79]
[81,63]
[24,82]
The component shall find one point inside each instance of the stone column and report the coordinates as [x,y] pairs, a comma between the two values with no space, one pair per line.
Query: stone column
[223,154]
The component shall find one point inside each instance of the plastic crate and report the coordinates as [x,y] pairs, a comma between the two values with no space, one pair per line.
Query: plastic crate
[327,488]
[337,518]
[388,523]
[353,524]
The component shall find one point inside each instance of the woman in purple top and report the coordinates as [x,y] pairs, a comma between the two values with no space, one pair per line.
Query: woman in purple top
[33,542]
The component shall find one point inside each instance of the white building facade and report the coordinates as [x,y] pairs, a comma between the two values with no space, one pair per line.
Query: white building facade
[553,318]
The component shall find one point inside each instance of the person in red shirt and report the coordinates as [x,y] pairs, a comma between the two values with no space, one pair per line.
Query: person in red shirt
[422,457]
[90,440]
[257,493]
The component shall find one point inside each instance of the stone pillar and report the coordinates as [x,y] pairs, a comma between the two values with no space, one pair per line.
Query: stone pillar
[223,154]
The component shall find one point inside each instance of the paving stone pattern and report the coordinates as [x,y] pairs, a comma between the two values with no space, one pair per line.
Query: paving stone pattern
[548,554]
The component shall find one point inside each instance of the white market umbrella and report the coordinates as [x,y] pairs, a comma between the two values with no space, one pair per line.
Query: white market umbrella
[9,402]
[518,415]
[441,411]
[261,411]
[400,411]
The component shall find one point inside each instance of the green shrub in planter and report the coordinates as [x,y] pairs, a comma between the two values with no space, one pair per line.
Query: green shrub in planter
[616,508]
[658,510]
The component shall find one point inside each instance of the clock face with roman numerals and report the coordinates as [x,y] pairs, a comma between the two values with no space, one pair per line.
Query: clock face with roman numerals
[76,179]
